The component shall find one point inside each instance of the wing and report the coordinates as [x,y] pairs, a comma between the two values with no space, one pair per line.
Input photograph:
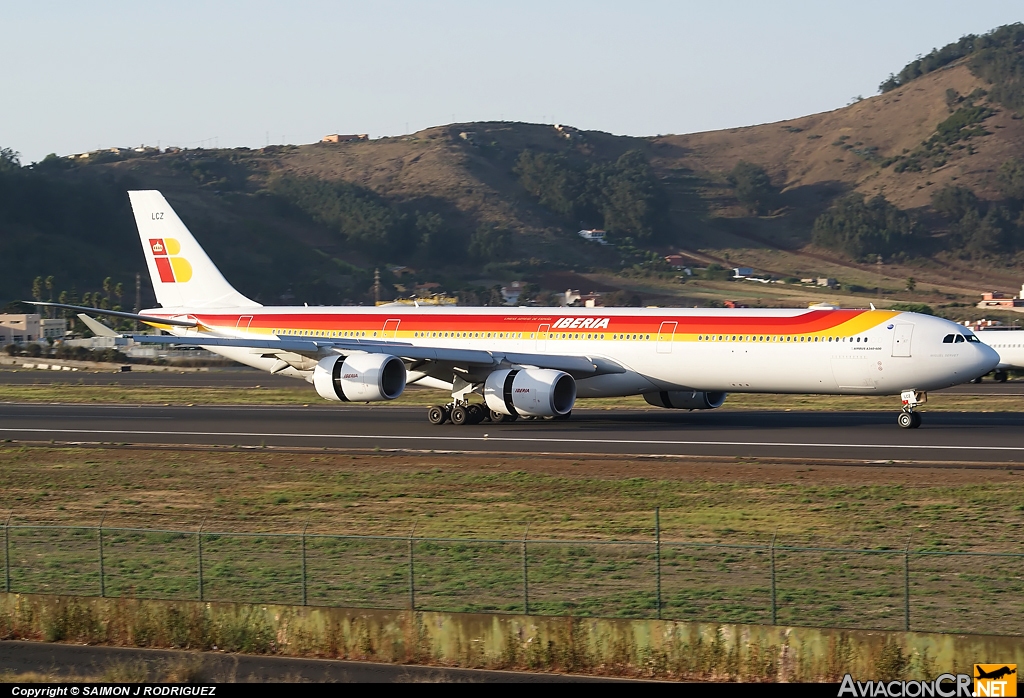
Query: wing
[470,360]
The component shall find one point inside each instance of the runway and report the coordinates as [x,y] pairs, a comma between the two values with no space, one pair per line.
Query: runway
[860,436]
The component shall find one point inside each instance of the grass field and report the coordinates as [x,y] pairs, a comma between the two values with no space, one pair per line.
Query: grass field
[303,394]
[592,501]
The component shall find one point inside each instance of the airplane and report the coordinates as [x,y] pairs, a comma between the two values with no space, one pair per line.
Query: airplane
[535,362]
[1009,344]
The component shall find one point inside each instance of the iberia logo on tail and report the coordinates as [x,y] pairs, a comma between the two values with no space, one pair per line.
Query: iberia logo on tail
[172,269]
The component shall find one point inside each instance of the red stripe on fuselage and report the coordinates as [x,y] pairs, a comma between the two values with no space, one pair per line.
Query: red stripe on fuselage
[809,322]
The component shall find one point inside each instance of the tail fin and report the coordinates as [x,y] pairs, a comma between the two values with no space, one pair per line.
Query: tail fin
[182,274]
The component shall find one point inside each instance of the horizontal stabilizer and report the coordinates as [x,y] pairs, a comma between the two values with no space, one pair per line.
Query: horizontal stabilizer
[149,319]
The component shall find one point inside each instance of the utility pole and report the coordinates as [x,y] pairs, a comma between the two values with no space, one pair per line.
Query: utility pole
[138,297]
[879,265]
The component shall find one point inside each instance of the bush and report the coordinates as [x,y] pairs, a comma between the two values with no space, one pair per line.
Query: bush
[862,228]
[753,187]
[1011,179]
[623,197]
[922,308]
[954,202]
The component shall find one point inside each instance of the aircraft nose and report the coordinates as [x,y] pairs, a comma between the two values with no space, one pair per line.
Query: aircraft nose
[986,358]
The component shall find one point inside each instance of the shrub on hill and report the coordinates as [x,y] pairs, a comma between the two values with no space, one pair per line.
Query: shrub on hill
[370,222]
[1011,179]
[922,308]
[954,202]
[979,229]
[863,228]
[753,187]
[623,197]
[997,57]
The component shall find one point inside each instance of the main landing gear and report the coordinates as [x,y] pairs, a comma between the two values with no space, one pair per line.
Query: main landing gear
[908,418]
[459,413]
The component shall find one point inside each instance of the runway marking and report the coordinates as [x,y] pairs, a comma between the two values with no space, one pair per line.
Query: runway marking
[512,439]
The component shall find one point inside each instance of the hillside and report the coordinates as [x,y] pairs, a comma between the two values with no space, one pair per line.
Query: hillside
[469,206]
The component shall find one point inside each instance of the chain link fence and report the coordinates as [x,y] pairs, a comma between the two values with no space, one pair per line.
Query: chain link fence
[772,583]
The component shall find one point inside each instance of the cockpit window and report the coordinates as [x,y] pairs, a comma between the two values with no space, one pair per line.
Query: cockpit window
[959,338]
[948,339]
[972,338]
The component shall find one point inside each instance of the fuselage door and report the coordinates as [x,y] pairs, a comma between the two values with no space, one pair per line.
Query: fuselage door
[542,337]
[242,326]
[390,329]
[901,339]
[666,333]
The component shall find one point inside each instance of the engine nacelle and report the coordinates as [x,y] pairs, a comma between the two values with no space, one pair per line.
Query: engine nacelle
[533,392]
[360,377]
[686,399]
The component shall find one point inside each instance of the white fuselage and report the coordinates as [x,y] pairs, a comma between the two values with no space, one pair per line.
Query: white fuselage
[1009,344]
[742,350]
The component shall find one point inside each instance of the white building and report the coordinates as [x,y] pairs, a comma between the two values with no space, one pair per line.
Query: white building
[594,236]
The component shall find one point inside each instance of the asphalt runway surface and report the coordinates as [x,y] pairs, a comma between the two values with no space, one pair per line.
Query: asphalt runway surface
[858,436]
[76,660]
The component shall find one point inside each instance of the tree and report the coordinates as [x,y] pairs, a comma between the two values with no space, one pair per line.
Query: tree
[119,294]
[1011,179]
[9,160]
[911,284]
[954,202]
[863,229]
[490,244]
[753,187]
[37,288]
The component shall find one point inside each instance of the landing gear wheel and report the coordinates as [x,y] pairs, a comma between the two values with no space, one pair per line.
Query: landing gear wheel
[905,420]
[475,414]
[502,418]
[916,420]
[1000,376]
[563,417]
[459,416]
[977,380]
[437,414]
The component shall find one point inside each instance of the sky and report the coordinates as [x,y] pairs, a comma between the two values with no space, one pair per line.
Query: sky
[79,76]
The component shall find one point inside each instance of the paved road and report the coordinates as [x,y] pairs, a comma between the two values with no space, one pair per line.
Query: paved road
[992,437]
[74,660]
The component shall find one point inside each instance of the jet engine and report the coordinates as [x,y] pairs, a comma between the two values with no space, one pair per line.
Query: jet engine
[685,399]
[359,377]
[533,392]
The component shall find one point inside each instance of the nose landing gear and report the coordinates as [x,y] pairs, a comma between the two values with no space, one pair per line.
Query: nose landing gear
[908,418]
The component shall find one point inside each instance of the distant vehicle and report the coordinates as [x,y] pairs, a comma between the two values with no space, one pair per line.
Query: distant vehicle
[1009,344]
[535,362]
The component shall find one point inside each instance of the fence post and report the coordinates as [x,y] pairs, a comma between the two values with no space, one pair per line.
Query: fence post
[906,585]
[199,549]
[304,562]
[412,572]
[526,576]
[103,586]
[775,607]
[657,555]
[7,553]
